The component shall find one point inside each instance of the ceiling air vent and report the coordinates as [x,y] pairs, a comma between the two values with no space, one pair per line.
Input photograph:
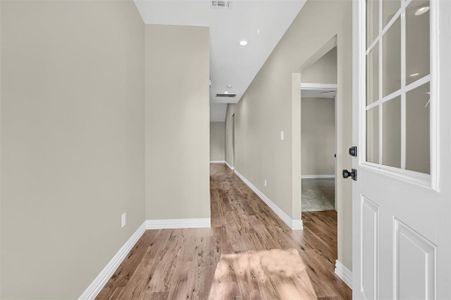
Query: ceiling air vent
[226,95]
[221,4]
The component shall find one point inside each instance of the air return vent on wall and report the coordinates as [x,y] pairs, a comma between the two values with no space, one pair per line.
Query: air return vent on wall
[226,95]
[221,4]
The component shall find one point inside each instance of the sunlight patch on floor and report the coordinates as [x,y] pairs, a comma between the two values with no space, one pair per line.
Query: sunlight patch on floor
[271,274]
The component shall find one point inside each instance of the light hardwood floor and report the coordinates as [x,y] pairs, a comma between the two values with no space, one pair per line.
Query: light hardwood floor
[249,253]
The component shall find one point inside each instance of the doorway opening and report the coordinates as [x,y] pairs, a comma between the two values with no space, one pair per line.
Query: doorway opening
[318,147]
[318,134]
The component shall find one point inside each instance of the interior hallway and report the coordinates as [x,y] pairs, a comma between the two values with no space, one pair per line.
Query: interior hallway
[249,253]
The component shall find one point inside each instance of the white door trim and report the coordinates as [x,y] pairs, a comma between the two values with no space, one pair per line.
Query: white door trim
[306,86]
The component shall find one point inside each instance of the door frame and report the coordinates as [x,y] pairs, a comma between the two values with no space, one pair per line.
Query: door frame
[296,83]
[296,98]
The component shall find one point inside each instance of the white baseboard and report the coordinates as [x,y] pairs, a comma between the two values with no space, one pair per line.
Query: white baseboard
[297,224]
[344,273]
[317,176]
[230,167]
[217,162]
[292,223]
[100,281]
[178,223]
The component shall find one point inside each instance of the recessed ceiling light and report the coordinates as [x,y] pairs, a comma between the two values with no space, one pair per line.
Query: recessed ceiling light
[414,74]
[243,42]
[422,10]
[226,92]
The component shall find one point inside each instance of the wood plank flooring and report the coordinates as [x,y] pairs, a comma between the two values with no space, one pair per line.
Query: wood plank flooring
[249,253]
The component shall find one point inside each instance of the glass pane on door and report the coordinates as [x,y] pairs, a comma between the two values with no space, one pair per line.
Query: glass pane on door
[391,136]
[372,75]
[372,21]
[417,40]
[417,129]
[389,9]
[391,58]
[372,135]
[398,94]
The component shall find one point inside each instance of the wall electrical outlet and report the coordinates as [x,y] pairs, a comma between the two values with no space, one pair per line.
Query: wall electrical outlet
[265,183]
[282,135]
[123,220]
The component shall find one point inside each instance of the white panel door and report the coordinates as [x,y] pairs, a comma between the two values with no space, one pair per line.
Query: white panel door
[402,127]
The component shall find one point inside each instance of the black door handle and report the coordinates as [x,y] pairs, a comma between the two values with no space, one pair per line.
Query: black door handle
[352,174]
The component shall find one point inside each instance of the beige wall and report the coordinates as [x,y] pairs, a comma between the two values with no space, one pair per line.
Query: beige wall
[322,71]
[72,153]
[228,133]
[268,108]
[177,122]
[217,141]
[318,136]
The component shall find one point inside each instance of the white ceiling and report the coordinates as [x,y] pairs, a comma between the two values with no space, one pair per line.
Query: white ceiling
[232,67]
